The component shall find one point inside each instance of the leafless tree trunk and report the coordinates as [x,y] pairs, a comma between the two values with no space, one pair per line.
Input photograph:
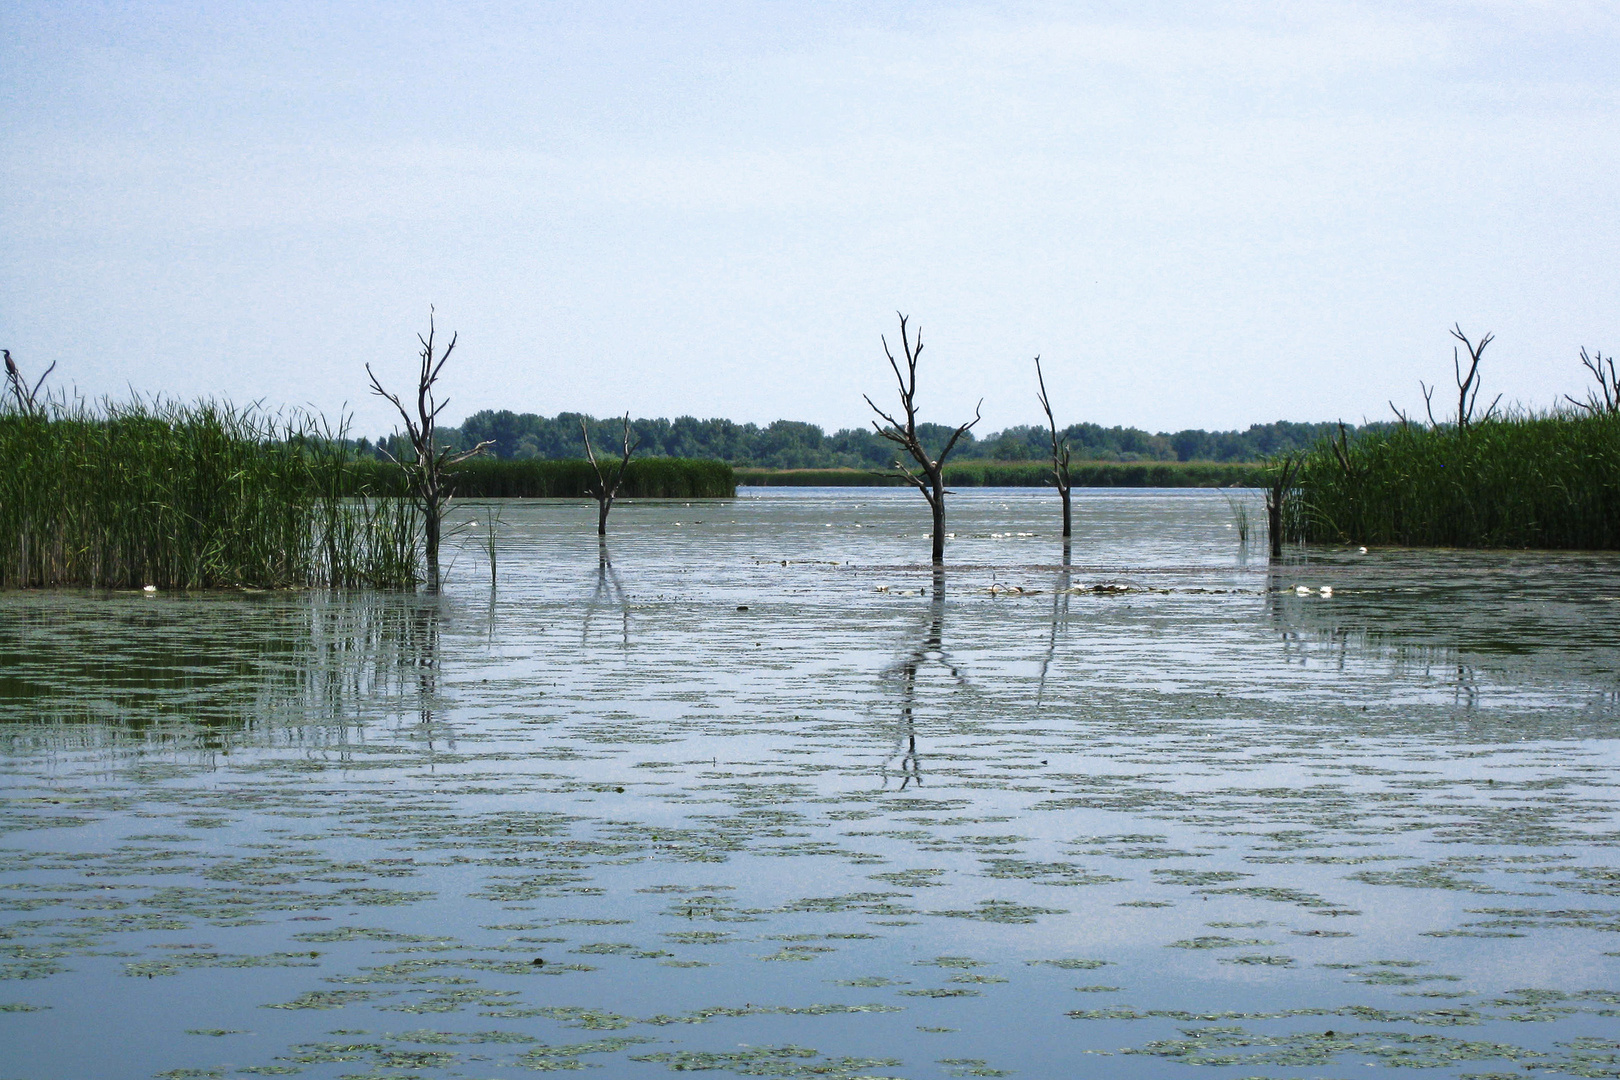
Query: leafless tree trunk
[603,492]
[1283,474]
[427,473]
[1060,453]
[1467,385]
[1602,370]
[931,481]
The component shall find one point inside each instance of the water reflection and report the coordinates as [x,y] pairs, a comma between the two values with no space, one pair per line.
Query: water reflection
[609,592]
[1548,627]
[210,671]
[929,649]
[1060,619]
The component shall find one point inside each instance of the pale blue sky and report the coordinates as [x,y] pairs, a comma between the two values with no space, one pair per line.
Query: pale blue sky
[1201,215]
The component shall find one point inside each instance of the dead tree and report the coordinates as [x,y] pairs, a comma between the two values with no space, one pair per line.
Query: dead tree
[931,481]
[603,492]
[1467,385]
[28,402]
[427,470]
[1602,369]
[1284,473]
[1060,452]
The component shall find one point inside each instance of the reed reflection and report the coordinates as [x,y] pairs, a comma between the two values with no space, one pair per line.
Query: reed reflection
[309,669]
[929,649]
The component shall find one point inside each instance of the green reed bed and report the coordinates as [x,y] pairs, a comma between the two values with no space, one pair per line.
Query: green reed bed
[495,478]
[1550,481]
[1164,474]
[190,496]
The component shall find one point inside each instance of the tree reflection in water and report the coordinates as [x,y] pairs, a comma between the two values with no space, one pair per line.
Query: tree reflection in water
[1060,619]
[609,592]
[930,649]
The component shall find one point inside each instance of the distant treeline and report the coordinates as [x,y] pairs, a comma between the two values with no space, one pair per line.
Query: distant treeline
[1159,474]
[789,444]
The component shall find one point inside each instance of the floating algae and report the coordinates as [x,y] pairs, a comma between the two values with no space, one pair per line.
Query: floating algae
[446,798]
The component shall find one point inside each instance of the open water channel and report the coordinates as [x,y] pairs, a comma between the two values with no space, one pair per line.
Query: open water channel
[759,794]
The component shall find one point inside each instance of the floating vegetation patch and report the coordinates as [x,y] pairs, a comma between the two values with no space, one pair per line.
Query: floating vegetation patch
[1261,960]
[1197,877]
[784,1061]
[1002,911]
[911,879]
[1235,1046]
[1060,873]
[543,830]
[1215,941]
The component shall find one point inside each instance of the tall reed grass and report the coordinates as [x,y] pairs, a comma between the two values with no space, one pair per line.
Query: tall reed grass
[1533,481]
[186,496]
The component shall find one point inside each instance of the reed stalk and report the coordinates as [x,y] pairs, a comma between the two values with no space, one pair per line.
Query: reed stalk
[1518,481]
[188,496]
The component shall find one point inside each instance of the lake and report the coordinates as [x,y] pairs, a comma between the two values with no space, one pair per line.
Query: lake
[751,789]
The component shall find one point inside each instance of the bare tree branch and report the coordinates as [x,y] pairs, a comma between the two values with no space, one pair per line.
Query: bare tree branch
[426,475]
[1468,385]
[1606,398]
[603,492]
[929,477]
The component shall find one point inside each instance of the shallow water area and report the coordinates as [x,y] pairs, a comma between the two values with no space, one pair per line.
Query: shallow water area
[750,789]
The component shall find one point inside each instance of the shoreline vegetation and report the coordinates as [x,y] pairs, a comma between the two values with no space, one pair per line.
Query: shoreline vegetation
[169,495]
[1526,481]
[191,496]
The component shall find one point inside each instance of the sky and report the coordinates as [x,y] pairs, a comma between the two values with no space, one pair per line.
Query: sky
[1198,214]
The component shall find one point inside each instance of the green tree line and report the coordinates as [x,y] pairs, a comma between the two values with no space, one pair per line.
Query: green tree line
[791,444]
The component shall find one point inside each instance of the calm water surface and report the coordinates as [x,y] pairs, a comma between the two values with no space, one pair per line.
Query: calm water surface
[752,791]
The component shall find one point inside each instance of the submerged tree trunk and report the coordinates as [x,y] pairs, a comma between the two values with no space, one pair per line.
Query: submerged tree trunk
[1284,472]
[427,471]
[929,478]
[937,503]
[605,490]
[431,518]
[1060,454]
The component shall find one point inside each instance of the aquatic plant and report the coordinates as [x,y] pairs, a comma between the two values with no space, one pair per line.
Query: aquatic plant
[202,495]
[1522,480]
[1240,517]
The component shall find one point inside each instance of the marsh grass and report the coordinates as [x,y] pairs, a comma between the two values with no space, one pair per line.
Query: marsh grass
[1239,505]
[187,496]
[1528,480]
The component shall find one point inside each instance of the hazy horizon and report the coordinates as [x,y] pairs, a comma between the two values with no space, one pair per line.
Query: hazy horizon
[1199,216]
